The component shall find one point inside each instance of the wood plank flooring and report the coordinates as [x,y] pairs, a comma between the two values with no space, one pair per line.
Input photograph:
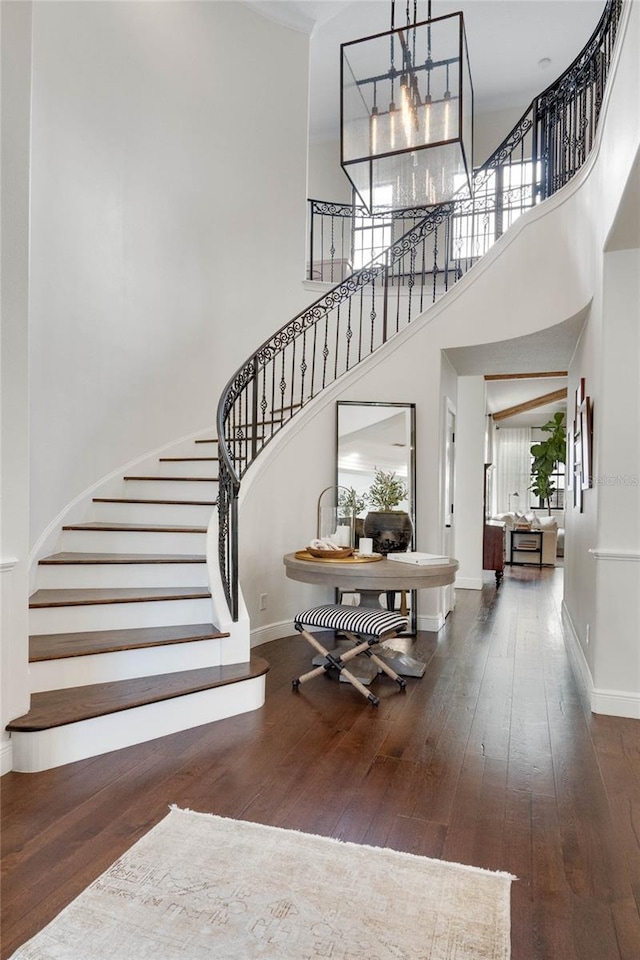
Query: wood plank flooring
[490,759]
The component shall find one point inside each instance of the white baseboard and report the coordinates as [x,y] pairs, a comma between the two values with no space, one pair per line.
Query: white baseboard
[611,703]
[432,624]
[469,583]
[6,757]
[616,703]
[578,660]
[272,631]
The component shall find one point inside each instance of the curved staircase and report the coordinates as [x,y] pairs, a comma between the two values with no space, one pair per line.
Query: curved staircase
[123,648]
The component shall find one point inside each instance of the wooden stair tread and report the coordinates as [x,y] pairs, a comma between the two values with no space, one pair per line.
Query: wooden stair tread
[58,646]
[84,596]
[55,708]
[134,527]
[172,503]
[71,557]
[178,479]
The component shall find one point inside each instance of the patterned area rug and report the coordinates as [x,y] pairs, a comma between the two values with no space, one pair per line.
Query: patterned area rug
[199,886]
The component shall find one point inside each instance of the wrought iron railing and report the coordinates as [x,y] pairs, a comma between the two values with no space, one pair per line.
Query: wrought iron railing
[369,305]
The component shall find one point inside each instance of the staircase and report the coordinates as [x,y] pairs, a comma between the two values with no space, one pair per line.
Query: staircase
[123,648]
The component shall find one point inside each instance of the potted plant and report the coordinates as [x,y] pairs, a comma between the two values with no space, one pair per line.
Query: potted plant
[353,504]
[547,454]
[390,529]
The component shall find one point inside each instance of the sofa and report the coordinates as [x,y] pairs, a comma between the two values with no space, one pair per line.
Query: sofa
[548,525]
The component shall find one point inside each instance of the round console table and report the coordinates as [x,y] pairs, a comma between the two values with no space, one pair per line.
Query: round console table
[369,580]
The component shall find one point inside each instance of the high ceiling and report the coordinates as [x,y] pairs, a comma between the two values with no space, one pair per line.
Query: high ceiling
[507,41]
[516,49]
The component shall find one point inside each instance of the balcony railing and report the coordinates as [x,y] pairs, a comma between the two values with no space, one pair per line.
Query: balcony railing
[387,270]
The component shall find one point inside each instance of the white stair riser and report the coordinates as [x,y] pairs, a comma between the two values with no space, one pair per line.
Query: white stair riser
[102,575]
[189,468]
[119,616]
[123,665]
[132,541]
[152,513]
[170,489]
[45,749]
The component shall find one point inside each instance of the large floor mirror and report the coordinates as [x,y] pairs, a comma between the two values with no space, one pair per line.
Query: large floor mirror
[373,437]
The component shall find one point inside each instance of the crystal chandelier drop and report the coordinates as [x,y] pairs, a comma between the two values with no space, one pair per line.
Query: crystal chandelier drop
[407,113]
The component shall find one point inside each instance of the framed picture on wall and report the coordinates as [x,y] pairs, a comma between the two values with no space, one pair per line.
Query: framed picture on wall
[585,436]
[579,453]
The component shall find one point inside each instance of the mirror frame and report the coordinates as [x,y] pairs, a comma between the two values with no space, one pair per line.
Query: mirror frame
[411,479]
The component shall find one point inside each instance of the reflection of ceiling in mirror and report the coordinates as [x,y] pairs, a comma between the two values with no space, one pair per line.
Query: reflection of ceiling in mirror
[383,444]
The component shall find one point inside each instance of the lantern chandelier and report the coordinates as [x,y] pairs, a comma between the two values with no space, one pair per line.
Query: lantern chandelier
[407,113]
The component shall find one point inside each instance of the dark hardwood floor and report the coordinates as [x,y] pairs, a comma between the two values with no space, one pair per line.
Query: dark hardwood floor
[491,759]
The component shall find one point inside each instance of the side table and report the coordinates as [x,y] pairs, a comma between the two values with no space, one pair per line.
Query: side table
[526,542]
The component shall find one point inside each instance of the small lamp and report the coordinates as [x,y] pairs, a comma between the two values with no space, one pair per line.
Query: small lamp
[516,495]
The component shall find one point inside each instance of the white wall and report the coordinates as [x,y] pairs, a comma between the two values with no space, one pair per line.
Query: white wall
[490,129]
[327,181]
[15,29]
[615,634]
[469,497]
[168,223]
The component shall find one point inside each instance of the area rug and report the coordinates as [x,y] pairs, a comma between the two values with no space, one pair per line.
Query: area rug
[200,886]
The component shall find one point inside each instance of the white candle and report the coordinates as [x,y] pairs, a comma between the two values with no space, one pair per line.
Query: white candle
[343,536]
[366,545]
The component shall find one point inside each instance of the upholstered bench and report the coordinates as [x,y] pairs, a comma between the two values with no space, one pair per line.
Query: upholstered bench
[365,627]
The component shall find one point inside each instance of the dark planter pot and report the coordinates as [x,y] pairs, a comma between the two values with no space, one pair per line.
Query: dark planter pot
[390,530]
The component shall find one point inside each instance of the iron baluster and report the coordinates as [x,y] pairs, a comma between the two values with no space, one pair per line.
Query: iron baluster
[312,210]
[332,249]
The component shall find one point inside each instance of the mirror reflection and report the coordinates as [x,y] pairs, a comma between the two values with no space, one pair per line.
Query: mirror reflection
[376,463]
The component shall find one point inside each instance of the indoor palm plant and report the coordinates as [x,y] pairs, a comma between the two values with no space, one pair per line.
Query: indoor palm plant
[390,529]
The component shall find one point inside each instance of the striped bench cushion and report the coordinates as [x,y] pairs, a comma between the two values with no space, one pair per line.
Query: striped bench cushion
[371,623]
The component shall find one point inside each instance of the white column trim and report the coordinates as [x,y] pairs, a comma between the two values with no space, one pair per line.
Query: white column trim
[598,553]
[8,563]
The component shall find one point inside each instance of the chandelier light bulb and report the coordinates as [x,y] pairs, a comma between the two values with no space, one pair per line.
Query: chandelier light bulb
[447,113]
[405,108]
[374,130]
[427,118]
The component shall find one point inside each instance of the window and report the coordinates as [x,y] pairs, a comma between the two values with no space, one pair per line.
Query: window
[557,500]
[503,197]
[474,233]
[372,235]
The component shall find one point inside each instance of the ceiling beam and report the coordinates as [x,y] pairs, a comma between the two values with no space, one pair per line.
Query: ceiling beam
[524,376]
[531,404]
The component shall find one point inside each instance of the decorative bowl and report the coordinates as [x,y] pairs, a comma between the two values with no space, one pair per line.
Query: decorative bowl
[338,554]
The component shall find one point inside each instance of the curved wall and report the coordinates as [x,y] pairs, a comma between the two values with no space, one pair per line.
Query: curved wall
[547,269]
[151,204]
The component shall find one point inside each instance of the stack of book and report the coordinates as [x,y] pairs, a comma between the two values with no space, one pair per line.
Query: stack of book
[526,543]
[412,556]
